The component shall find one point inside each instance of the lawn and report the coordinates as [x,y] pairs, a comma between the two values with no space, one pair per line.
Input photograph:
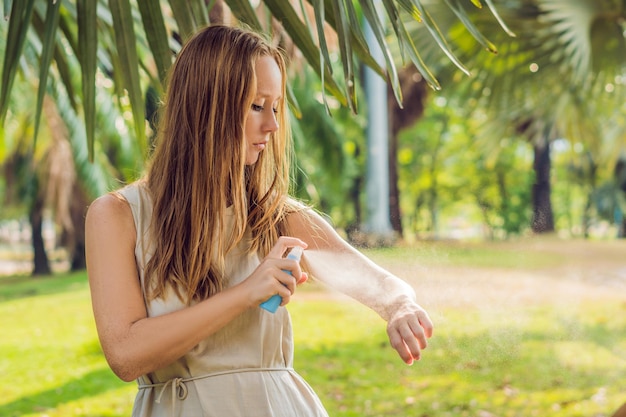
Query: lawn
[521,331]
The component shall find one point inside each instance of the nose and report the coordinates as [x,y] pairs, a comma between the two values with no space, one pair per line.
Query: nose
[270,124]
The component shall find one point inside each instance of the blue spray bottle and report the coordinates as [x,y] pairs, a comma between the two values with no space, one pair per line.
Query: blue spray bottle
[274,301]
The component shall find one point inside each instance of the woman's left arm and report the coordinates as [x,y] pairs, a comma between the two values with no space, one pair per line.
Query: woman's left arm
[333,261]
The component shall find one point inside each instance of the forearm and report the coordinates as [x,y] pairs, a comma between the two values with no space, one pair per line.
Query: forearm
[154,342]
[348,271]
[408,325]
[331,260]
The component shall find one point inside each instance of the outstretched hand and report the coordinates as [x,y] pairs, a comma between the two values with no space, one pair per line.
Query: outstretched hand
[408,328]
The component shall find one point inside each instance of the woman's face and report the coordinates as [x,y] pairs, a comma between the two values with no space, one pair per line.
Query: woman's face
[261,119]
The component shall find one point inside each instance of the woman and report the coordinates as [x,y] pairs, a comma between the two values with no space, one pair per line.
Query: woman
[180,261]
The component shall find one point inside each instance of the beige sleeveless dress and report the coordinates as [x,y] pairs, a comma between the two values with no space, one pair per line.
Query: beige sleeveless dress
[246,369]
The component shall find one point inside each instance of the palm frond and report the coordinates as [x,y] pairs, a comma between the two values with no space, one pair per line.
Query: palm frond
[97,176]
[48,40]
[183,13]
[19,22]
[156,34]
[86,17]
[126,44]
[129,54]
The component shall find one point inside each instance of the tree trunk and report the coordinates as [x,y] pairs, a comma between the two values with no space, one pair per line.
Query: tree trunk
[586,221]
[41,265]
[620,179]
[355,193]
[78,211]
[377,221]
[414,91]
[395,215]
[543,219]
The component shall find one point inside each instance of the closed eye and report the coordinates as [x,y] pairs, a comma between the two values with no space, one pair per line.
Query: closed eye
[256,107]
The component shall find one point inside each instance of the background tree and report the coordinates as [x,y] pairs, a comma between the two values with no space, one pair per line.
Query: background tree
[415,93]
[133,44]
[53,177]
[566,56]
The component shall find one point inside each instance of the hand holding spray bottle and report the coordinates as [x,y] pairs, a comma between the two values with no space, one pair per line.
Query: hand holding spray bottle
[274,301]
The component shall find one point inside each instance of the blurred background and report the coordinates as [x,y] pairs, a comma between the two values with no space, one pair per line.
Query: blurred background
[476,148]
[511,120]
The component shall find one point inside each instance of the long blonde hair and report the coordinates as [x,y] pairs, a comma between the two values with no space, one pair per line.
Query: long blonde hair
[198,167]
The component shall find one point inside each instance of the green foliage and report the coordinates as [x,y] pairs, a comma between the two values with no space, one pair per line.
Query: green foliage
[562,71]
[448,176]
[123,37]
[326,147]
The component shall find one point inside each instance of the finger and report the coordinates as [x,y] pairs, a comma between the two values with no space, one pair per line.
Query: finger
[282,275]
[289,266]
[419,332]
[283,243]
[398,344]
[303,278]
[426,323]
[412,341]
[288,281]
[286,292]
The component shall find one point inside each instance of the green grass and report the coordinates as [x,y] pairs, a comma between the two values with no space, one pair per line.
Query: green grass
[541,360]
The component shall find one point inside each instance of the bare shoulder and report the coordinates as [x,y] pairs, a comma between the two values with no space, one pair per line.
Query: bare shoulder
[110,202]
[110,213]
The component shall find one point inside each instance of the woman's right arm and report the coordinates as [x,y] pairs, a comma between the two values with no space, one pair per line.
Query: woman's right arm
[135,344]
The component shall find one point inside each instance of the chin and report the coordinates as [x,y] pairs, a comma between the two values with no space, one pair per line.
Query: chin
[252,160]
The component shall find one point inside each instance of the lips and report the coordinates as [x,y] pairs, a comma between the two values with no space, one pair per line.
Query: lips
[260,145]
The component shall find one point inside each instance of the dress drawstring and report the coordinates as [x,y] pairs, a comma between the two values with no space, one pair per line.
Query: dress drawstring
[179,388]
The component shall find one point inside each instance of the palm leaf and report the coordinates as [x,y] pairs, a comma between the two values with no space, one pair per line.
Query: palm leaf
[126,47]
[320,13]
[301,36]
[456,7]
[572,27]
[21,12]
[62,66]
[296,30]
[156,34]
[47,51]
[243,10]
[341,15]
[359,46]
[200,13]
[496,14]
[438,36]
[96,178]
[86,16]
[184,18]
[7,8]
[343,35]
[409,46]
[68,23]
[319,10]
[371,14]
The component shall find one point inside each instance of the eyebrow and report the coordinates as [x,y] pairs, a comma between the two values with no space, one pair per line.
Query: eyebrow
[262,94]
